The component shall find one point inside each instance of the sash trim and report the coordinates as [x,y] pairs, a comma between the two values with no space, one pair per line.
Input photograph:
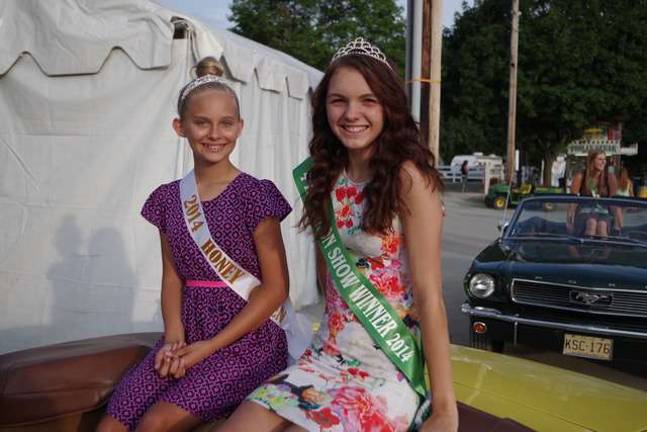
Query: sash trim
[191,283]
[229,271]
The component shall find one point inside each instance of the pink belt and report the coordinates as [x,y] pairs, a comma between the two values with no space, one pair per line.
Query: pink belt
[205,284]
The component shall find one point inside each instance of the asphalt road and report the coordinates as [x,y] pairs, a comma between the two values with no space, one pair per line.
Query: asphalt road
[469,226]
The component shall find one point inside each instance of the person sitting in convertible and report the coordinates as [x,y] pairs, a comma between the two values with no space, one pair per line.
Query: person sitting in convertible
[595,181]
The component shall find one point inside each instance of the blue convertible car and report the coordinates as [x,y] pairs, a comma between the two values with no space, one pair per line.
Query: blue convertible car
[568,274]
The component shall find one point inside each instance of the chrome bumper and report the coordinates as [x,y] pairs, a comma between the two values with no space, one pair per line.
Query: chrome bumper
[515,320]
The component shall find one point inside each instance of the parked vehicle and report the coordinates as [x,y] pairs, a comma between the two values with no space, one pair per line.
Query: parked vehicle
[497,196]
[541,397]
[477,160]
[545,283]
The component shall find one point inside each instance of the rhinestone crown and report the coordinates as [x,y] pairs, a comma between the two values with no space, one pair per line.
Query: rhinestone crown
[198,82]
[360,46]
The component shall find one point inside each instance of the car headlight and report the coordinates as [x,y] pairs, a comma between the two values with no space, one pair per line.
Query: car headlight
[481,285]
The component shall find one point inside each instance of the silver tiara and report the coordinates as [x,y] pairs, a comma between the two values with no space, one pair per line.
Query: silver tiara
[199,82]
[361,47]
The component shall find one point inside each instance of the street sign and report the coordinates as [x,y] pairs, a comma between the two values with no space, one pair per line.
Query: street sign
[610,147]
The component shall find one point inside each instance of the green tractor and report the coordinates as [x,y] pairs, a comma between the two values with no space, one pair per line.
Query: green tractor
[497,196]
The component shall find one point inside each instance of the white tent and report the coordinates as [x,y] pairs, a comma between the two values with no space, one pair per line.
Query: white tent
[87,95]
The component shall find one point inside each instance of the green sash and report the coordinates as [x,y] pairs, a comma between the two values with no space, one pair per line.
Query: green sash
[370,307]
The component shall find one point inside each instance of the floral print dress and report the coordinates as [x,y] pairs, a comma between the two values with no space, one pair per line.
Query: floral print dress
[344,382]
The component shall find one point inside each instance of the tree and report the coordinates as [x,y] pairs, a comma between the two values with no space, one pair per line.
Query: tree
[474,80]
[581,62]
[313,30]
[583,67]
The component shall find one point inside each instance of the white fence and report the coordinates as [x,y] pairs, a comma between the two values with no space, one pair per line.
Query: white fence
[453,175]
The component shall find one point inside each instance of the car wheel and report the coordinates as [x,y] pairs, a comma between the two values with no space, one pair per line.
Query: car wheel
[499,202]
[484,342]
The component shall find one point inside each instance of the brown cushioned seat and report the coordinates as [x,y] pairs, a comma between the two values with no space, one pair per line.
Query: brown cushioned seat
[57,380]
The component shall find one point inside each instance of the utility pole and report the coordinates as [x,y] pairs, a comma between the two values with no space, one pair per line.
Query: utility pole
[434,83]
[425,71]
[432,39]
[512,94]
[414,56]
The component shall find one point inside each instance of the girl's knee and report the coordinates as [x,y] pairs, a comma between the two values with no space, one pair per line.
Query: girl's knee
[109,424]
[602,228]
[152,422]
[164,417]
[250,416]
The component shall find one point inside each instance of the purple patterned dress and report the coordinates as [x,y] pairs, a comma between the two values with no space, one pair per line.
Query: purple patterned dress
[214,387]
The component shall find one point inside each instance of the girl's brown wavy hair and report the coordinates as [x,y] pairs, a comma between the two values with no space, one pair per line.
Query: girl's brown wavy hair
[398,142]
[602,182]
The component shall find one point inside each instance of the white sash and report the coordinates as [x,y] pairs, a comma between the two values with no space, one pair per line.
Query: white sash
[236,277]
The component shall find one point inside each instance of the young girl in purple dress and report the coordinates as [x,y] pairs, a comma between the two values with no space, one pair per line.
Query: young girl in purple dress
[220,236]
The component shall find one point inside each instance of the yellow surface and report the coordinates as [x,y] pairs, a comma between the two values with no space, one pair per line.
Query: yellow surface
[543,397]
[642,192]
[525,189]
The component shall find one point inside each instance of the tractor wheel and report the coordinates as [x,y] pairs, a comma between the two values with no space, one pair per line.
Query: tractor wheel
[499,202]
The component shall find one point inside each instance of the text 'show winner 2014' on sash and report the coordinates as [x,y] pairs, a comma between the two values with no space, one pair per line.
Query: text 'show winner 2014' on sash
[370,307]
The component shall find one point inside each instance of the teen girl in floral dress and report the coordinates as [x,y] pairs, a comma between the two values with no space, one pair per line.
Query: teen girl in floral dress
[370,166]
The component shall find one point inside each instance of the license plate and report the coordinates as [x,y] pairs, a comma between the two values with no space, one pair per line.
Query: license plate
[588,346]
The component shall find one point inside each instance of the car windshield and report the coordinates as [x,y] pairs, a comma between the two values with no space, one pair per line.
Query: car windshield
[581,219]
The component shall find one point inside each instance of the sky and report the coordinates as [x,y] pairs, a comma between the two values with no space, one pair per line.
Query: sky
[216,11]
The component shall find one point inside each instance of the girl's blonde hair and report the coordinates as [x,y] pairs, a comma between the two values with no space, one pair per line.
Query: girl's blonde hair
[623,178]
[589,175]
[208,66]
